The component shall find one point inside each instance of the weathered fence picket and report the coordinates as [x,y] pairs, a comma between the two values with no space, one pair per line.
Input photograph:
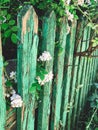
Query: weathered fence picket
[82,81]
[58,76]
[26,66]
[79,76]
[67,74]
[83,78]
[61,100]
[74,77]
[48,44]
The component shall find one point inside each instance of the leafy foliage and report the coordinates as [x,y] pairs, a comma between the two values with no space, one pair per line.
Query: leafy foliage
[94,97]
[9,10]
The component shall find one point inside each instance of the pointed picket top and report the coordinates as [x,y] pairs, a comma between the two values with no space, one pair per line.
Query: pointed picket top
[26,66]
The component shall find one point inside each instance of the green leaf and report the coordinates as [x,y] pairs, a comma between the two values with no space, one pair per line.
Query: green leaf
[43,71]
[4,1]
[11,22]
[14,38]
[4,26]
[32,89]
[8,16]
[14,28]
[5,63]
[42,76]
[4,12]
[7,33]
[38,87]
[8,83]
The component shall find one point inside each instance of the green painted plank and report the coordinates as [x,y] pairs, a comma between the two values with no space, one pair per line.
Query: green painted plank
[83,79]
[79,76]
[86,78]
[74,77]
[48,42]
[58,77]
[67,73]
[85,91]
[2,97]
[89,74]
[26,66]
[82,92]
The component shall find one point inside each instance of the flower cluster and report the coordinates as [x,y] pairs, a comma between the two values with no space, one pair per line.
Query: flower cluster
[45,56]
[16,101]
[12,97]
[70,16]
[48,77]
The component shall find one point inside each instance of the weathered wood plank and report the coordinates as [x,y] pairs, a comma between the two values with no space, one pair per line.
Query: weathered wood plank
[79,76]
[75,70]
[2,98]
[26,66]
[58,76]
[48,42]
[67,74]
[84,79]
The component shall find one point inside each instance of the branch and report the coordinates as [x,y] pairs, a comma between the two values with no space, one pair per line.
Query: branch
[87,52]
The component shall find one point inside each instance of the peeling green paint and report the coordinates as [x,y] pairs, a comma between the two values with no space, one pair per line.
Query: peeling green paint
[26,66]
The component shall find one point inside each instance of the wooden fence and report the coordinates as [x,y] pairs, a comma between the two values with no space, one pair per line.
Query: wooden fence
[61,100]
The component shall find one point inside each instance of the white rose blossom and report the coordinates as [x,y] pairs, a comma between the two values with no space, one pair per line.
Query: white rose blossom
[45,56]
[48,77]
[16,101]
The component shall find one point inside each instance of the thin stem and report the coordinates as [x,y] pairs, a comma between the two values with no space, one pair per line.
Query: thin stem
[91,119]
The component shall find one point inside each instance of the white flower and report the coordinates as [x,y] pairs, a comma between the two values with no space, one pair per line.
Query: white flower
[12,75]
[16,101]
[48,77]
[45,56]
[70,16]
[80,2]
